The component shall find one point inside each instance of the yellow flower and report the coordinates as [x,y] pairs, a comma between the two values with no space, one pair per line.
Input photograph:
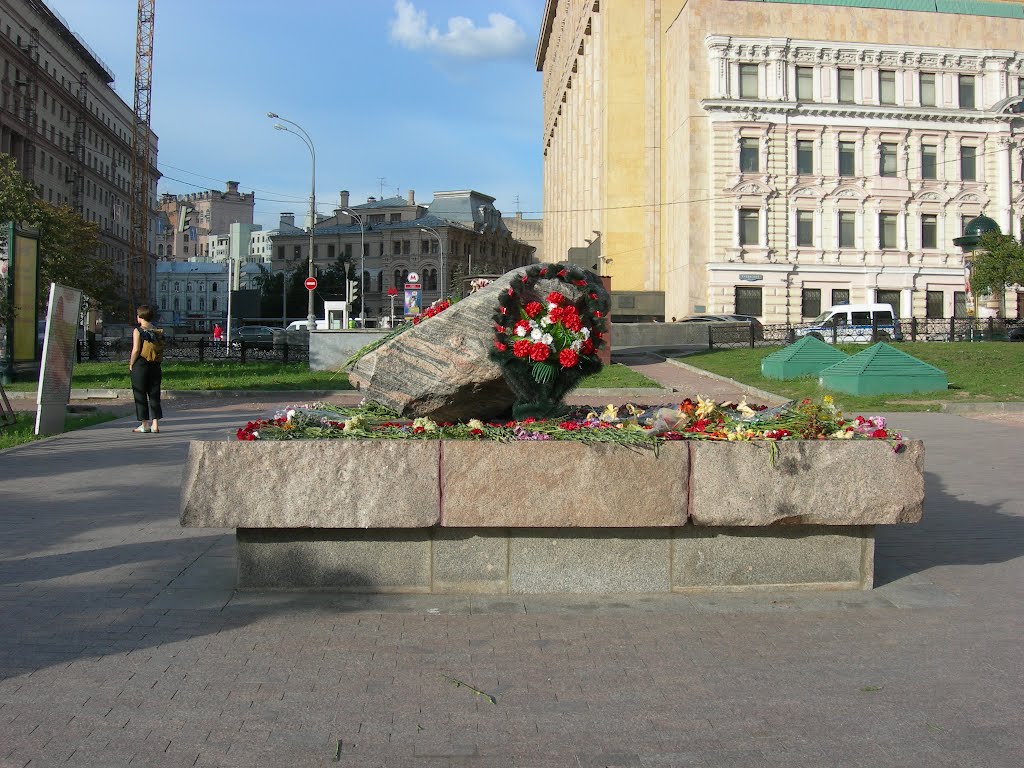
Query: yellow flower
[704,407]
[827,400]
[745,410]
[427,424]
[475,424]
[610,413]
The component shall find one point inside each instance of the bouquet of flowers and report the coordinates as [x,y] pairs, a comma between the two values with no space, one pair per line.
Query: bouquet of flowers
[547,340]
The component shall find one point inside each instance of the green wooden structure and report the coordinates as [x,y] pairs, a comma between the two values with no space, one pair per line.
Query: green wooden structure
[883,369]
[807,357]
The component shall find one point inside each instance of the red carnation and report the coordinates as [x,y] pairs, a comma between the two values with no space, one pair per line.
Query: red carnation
[597,313]
[416,320]
[580,283]
[555,314]
[568,358]
[521,348]
[499,346]
[539,352]
[587,348]
[563,272]
[521,324]
[533,309]
[555,298]
[881,434]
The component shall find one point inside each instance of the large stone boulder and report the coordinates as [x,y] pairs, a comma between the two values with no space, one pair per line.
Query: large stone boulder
[442,368]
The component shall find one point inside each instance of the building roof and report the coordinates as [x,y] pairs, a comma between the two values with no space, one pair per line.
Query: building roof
[187,267]
[388,202]
[429,220]
[966,7]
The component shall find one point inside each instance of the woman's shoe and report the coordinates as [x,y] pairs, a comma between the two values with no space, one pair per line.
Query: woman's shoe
[141,429]
[155,430]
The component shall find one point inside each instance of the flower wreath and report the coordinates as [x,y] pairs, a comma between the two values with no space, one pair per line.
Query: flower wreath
[546,343]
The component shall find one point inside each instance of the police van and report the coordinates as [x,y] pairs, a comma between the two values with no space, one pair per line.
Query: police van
[853,324]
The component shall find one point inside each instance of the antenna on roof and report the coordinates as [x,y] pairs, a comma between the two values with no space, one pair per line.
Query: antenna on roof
[381,180]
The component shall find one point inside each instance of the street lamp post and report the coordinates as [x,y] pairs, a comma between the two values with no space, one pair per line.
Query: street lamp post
[440,244]
[301,133]
[362,266]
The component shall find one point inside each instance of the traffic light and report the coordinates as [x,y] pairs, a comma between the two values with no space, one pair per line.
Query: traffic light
[353,291]
[185,218]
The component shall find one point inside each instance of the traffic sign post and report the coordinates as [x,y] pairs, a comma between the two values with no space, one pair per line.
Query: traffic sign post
[310,283]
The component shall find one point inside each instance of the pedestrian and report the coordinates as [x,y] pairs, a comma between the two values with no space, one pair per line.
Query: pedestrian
[218,332]
[144,368]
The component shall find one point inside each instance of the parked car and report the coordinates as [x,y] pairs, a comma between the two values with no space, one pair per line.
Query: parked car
[753,321]
[254,336]
[853,324]
[1015,334]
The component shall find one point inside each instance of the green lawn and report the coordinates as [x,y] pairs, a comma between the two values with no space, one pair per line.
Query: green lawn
[187,375]
[977,372]
[21,431]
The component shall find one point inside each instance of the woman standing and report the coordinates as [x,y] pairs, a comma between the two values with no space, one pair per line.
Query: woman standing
[144,369]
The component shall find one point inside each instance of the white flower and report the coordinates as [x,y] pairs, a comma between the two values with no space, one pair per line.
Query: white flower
[547,338]
[576,346]
[545,321]
[475,424]
[353,423]
[536,333]
[427,424]
[744,409]
[289,414]
[552,305]
[586,332]
[520,330]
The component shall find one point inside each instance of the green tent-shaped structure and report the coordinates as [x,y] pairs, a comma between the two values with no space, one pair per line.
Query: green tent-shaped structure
[883,369]
[807,357]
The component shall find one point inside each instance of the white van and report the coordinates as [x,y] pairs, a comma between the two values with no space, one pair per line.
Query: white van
[303,325]
[853,323]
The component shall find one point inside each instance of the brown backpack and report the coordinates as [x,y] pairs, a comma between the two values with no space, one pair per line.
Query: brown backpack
[152,344]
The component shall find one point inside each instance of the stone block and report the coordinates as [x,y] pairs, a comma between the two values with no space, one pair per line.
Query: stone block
[470,561]
[773,557]
[311,484]
[562,484]
[828,482]
[589,560]
[343,560]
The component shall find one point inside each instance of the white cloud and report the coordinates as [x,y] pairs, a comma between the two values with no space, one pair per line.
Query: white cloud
[501,39]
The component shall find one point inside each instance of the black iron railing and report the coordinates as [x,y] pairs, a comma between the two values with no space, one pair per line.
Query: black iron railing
[201,350]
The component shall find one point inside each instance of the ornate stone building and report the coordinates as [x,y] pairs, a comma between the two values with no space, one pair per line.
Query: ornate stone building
[737,168]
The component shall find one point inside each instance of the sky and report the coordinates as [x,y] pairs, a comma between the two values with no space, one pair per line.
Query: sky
[427,95]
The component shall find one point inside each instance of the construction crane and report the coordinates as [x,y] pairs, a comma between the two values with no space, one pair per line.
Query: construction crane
[138,256]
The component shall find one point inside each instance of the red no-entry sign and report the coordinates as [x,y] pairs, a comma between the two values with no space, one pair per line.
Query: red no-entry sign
[311,283]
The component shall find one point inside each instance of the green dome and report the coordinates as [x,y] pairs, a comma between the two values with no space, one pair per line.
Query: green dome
[976,227]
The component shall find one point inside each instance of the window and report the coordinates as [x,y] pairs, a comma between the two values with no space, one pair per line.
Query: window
[424,246]
[348,251]
[296,251]
[840,296]
[406,247]
[887,160]
[396,218]
[804,156]
[927,83]
[847,158]
[968,163]
[748,301]
[810,302]
[805,83]
[805,228]
[966,91]
[929,161]
[934,304]
[749,156]
[177,286]
[846,89]
[959,304]
[847,230]
[929,231]
[890,297]
[886,230]
[887,86]
[213,305]
[749,221]
[748,81]
[213,287]
[396,248]
[330,252]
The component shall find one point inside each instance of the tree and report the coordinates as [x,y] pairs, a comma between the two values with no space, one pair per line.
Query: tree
[68,245]
[997,263]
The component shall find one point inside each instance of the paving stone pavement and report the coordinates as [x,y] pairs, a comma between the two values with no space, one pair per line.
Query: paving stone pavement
[122,641]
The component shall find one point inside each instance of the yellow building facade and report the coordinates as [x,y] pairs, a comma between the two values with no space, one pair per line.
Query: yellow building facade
[778,157]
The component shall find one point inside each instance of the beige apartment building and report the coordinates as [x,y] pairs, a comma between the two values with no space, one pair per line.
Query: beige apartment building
[776,157]
[65,125]
[213,212]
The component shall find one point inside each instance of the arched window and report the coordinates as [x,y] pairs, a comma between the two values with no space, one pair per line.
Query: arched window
[430,280]
[380,281]
[213,305]
[159,249]
[163,303]
[188,304]
[213,287]
[202,303]
[163,285]
[177,303]
[398,278]
[188,287]
[177,286]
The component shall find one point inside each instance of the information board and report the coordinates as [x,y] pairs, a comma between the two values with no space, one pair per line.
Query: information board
[58,359]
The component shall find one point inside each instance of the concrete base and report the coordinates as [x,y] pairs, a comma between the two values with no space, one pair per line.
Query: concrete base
[557,560]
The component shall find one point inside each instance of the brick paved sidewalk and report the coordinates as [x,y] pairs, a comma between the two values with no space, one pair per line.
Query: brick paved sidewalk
[123,641]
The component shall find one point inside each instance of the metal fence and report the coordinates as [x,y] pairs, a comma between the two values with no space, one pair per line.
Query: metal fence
[912,329]
[198,350]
